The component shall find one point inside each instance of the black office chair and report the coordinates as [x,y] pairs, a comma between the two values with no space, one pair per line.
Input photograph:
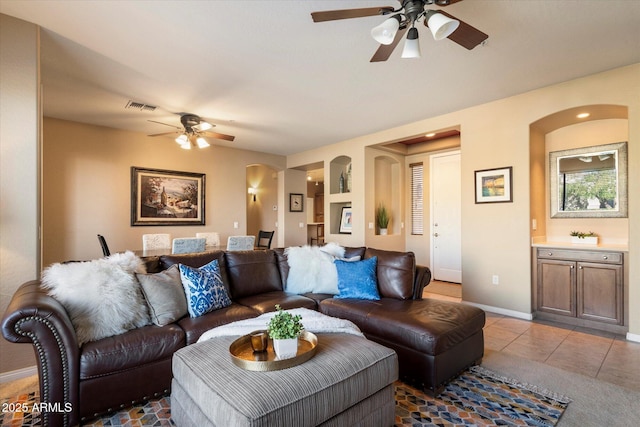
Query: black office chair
[264,239]
[103,244]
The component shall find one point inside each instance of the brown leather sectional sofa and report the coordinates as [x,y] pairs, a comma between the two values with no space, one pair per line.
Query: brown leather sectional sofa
[434,340]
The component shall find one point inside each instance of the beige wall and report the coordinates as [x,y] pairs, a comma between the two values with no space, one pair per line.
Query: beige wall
[261,214]
[496,237]
[19,171]
[87,187]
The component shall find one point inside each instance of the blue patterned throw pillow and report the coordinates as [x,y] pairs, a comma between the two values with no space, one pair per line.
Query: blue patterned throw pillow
[203,288]
[357,279]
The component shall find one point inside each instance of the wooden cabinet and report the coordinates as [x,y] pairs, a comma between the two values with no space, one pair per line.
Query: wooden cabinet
[581,283]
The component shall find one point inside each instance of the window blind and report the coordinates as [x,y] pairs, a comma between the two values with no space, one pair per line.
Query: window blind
[417,205]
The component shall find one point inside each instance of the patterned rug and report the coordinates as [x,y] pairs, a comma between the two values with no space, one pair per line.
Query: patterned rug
[478,397]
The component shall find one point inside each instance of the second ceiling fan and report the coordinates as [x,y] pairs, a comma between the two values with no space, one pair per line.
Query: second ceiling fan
[193,131]
[410,12]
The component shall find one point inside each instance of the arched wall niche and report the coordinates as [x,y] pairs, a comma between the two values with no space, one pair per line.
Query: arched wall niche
[604,120]
[388,190]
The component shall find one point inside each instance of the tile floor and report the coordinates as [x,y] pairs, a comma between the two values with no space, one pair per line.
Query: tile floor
[602,355]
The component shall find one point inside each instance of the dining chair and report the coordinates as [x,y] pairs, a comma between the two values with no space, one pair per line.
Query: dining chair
[185,245]
[103,245]
[240,243]
[212,238]
[156,241]
[264,239]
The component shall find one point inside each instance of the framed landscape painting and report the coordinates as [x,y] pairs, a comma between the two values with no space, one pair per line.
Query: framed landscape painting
[164,197]
[494,185]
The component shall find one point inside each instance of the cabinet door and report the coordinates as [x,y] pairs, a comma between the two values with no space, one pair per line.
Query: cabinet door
[600,292]
[557,287]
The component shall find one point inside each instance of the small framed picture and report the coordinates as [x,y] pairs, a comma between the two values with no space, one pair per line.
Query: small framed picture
[296,202]
[345,221]
[494,185]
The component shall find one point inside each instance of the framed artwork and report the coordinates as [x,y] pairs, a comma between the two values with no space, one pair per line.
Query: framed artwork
[295,202]
[164,197]
[345,221]
[494,185]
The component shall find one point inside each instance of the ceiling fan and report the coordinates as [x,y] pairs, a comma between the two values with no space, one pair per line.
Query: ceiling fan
[193,131]
[410,12]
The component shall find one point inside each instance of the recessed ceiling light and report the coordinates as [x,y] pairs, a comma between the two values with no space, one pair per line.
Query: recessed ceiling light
[583,115]
[430,135]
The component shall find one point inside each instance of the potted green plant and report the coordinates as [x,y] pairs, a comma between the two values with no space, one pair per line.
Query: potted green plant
[284,329]
[382,219]
[580,238]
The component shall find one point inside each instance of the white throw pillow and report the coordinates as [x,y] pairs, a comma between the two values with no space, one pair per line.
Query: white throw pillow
[311,270]
[103,296]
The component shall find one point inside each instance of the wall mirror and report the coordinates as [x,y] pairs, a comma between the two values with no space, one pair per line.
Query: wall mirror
[589,182]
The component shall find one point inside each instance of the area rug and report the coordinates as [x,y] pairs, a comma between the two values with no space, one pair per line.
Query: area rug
[478,397]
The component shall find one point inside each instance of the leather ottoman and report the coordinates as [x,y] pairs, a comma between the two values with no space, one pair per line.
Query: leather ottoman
[349,381]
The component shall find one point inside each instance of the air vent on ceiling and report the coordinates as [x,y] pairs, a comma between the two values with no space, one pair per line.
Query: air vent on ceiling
[139,106]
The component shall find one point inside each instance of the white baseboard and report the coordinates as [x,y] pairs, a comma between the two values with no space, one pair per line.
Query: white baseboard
[633,337]
[502,311]
[18,374]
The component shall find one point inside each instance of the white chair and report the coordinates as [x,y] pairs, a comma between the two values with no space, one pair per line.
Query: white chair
[240,243]
[156,241]
[186,245]
[212,239]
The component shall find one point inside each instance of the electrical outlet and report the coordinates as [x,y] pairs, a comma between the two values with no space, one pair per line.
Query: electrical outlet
[495,279]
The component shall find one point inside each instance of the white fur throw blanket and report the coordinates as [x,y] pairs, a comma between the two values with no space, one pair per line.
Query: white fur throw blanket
[312,321]
[103,296]
[311,269]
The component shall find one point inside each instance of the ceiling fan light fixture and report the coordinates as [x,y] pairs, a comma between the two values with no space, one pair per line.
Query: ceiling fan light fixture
[186,146]
[182,139]
[386,32]
[441,26]
[204,126]
[202,143]
[411,45]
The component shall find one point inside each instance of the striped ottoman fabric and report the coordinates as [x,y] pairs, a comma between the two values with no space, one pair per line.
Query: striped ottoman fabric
[349,381]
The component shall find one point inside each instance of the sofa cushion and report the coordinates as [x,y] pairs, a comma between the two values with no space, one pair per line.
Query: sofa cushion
[395,272]
[429,326]
[203,288]
[197,260]
[132,349]
[195,326]
[165,295]
[252,273]
[267,301]
[357,279]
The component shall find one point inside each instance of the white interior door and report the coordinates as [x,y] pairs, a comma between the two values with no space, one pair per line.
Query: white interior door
[445,217]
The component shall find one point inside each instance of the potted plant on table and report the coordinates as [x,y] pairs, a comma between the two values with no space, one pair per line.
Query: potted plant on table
[284,329]
[382,219]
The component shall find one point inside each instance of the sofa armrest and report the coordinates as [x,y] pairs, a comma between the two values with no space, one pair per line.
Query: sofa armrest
[33,316]
[423,277]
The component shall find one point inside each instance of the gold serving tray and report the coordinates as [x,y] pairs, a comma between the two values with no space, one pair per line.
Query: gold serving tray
[243,356]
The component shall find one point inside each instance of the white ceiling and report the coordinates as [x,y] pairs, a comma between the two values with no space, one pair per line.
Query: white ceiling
[264,72]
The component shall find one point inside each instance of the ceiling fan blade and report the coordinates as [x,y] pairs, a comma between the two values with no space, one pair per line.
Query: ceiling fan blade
[173,126]
[332,15]
[219,135]
[443,3]
[165,133]
[466,35]
[384,51]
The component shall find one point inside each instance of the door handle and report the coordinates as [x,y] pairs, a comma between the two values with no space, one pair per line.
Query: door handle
[435,234]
